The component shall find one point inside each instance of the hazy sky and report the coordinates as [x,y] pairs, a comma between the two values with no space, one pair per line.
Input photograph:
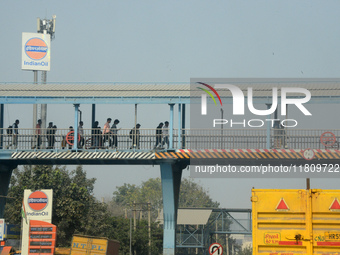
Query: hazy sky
[172,41]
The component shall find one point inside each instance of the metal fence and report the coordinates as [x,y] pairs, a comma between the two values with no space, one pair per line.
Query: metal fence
[145,139]
[200,139]
[31,139]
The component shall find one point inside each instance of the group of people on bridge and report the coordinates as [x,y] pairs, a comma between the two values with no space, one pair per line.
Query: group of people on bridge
[109,135]
[106,137]
[50,135]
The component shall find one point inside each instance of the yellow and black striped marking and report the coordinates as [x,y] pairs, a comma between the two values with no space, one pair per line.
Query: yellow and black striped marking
[83,155]
[241,154]
[271,154]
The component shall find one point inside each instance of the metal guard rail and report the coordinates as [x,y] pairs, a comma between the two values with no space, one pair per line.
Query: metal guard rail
[195,139]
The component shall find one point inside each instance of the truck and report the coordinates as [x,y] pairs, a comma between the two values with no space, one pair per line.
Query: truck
[90,245]
[296,221]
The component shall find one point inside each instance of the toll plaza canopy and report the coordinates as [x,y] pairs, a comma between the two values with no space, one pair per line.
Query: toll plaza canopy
[322,90]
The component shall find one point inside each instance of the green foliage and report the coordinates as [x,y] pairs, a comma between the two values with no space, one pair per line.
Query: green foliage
[76,211]
[191,194]
[139,236]
[72,197]
[248,250]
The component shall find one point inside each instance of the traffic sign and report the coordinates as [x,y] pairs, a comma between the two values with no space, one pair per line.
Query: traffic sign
[308,154]
[328,139]
[70,137]
[215,249]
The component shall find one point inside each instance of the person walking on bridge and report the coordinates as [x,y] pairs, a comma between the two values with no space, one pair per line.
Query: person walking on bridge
[96,134]
[38,135]
[114,132]
[49,134]
[166,134]
[107,132]
[15,133]
[159,135]
[134,135]
[81,134]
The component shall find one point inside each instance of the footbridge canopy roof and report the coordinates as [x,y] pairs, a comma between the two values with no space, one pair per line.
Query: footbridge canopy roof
[322,90]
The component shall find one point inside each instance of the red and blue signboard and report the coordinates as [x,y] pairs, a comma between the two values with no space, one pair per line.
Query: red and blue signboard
[37,200]
[36,48]
[36,51]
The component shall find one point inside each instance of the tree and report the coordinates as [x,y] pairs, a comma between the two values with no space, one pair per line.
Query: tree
[75,209]
[192,194]
[140,236]
[73,200]
[248,250]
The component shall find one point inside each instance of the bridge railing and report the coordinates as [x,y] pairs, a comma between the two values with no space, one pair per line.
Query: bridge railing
[257,139]
[224,138]
[32,139]
[196,139]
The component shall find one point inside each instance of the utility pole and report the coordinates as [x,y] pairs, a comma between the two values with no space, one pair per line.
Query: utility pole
[134,221]
[44,26]
[130,233]
[134,216]
[149,226]
[141,207]
[35,108]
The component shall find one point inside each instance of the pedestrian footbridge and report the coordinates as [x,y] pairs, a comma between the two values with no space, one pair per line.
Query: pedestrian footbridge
[238,146]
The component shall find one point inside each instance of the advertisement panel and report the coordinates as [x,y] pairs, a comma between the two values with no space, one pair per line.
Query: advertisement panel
[36,52]
[13,231]
[2,229]
[37,206]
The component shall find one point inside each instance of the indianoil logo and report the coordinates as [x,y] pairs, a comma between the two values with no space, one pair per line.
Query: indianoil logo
[36,48]
[37,200]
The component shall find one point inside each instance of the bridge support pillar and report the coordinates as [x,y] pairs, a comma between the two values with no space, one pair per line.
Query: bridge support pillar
[179,145]
[268,129]
[76,123]
[1,125]
[171,175]
[171,128]
[5,177]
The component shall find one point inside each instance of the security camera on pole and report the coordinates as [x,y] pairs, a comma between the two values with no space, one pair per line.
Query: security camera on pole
[36,56]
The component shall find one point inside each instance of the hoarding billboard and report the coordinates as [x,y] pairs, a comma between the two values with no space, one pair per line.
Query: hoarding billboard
[36,52]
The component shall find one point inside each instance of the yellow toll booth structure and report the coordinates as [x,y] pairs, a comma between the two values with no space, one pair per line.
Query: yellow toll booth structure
[296,222]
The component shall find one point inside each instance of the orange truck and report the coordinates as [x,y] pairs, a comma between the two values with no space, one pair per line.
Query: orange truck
[296,222]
